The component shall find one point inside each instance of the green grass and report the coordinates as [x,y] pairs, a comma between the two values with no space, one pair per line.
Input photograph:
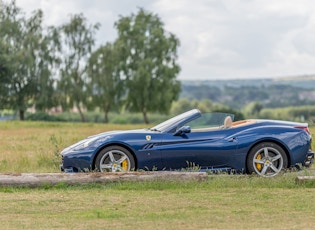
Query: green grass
[220,202]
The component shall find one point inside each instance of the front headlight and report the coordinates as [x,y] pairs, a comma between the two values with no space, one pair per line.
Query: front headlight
[94,141]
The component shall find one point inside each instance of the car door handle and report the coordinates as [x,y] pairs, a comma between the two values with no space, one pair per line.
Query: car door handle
[232,139]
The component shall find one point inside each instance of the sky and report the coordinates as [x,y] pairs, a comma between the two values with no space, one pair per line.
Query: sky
[220,39]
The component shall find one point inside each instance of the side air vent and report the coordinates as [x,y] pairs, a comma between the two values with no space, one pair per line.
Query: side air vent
[149,146]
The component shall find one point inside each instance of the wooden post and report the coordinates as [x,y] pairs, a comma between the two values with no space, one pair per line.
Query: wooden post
[304,179]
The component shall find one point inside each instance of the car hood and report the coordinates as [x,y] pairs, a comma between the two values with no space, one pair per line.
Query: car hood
[118,132]
[103,136]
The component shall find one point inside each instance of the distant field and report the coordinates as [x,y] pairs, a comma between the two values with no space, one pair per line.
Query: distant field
[221,202]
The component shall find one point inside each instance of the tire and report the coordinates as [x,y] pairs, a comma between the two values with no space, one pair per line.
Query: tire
[114,159]
[266,159]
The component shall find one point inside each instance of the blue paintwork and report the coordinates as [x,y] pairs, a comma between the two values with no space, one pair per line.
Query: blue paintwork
[215,149]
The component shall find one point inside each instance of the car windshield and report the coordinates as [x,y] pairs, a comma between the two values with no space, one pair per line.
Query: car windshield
[206,120]
[211,120]
[175,120]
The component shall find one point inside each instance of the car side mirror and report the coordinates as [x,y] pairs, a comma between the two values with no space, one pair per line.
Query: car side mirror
[182,130]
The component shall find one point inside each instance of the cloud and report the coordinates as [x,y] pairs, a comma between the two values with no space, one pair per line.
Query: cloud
[219,38]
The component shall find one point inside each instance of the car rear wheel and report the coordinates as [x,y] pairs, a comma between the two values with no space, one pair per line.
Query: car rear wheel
[266,159]
[115,159]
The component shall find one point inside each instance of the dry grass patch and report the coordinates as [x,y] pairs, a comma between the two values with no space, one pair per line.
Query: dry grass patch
[35,146]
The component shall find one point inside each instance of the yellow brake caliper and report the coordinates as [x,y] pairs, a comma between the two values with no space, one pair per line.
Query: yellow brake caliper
[258,165]
[124,165]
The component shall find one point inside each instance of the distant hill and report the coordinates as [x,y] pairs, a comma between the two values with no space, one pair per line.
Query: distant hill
[307,82]
[271,93]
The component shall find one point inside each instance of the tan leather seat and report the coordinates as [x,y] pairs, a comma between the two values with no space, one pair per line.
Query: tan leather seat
[227,122]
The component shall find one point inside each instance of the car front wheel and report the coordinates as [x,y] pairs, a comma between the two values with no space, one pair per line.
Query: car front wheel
[266,159]
[115,159]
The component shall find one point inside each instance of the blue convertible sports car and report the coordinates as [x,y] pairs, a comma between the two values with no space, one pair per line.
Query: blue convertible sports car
[210,141]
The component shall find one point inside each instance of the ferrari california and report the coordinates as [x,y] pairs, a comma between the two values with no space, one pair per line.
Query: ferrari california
[207,141]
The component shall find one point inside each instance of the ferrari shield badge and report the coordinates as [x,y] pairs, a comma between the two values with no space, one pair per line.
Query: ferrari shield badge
[148,137]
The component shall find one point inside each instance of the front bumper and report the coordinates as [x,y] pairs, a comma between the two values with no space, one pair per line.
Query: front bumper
[77,161]
[68,169]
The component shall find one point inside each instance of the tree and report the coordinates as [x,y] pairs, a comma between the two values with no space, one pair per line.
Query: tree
[205,105]
[253,109]
[78,39]
[181,106]
[46,67]
[20,41]
[148,61]
[107,85]
[4,80]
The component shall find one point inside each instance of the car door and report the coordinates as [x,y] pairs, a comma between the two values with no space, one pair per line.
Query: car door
[205,149]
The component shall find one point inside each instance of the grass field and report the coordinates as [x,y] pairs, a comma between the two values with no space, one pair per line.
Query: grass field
[221,202]
[36,146]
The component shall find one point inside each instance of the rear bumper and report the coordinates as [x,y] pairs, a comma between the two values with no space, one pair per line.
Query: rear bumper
[309,159]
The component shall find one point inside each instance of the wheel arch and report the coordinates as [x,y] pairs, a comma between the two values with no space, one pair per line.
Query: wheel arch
[285,149]
[115,144]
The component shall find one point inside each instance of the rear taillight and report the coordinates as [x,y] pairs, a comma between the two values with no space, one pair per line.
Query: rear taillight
[305,128]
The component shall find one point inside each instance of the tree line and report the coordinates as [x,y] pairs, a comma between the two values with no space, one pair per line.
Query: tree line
[239,97]
[49,66]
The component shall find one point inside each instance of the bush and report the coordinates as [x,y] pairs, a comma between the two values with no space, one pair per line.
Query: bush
[297,113]
[41,116]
